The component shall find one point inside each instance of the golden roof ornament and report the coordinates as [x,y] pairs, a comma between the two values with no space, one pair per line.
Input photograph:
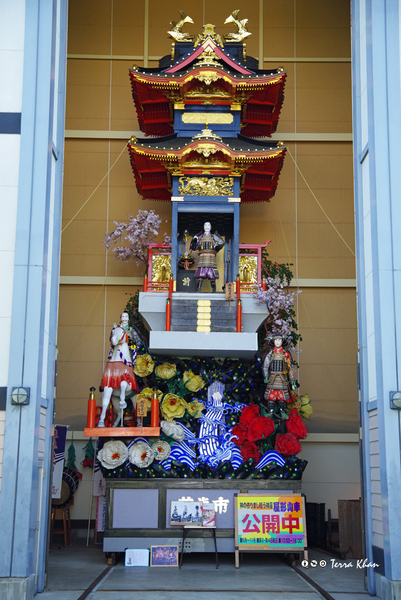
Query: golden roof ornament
[208,58]
[206,134]
[176,28]
[240,26]
[208,31]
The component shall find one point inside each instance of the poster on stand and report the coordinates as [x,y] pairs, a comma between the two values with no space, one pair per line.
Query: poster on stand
[60,436]
[273,523]
[185,513]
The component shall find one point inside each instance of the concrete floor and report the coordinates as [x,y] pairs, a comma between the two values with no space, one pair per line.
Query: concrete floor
[260,576]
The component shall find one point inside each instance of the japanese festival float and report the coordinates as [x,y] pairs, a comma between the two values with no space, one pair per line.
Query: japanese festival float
[199,394]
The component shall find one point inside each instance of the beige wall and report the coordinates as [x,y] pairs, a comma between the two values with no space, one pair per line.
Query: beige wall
[311,40]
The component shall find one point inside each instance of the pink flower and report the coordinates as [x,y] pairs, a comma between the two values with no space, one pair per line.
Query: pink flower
[136,235]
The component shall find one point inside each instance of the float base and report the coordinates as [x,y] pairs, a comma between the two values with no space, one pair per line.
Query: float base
[118,432]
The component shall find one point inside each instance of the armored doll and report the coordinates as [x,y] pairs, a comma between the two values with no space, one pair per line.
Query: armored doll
[208,244]
[279,376]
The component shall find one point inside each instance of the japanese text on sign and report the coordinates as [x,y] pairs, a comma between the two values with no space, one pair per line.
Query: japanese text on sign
[276,522]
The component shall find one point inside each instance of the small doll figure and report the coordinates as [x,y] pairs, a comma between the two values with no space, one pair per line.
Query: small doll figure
[208,245]
[134,336]
[279,376]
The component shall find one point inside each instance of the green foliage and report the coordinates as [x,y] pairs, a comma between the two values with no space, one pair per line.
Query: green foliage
[134,317]
[272,269]
[71,457]
[89,454]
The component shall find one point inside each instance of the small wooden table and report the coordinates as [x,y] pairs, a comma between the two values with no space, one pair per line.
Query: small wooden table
[185,532]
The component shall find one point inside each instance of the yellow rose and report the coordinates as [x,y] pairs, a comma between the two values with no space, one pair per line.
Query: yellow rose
[193,382]
[144,365]
[195,408]
[306,408]
[173,407]
[166,371]
[148,394]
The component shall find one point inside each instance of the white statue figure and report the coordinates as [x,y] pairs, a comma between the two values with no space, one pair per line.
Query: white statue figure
[118,377]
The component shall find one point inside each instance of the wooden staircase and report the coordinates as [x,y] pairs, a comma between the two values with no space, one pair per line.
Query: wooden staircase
[203,315]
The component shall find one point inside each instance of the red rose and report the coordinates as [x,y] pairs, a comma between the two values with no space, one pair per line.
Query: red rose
[241,432]
[249,413]
[250,450]
[260,428]
[287,444]
[293,412]
[296,427]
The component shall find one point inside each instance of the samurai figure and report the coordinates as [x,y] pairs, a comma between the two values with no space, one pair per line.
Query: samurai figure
[208,244]
[279,376]
[133,333]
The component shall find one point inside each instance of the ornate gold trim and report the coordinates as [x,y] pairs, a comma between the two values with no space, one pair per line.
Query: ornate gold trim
[208,58]
[206,186]
[208,31]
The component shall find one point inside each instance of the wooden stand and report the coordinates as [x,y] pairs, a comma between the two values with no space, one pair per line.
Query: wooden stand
[116,432]
[185,532]
[66,523]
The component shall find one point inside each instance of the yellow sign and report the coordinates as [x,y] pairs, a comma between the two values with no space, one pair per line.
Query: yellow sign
[209,118]
[273,522]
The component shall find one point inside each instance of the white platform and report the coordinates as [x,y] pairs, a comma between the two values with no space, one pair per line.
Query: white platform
[214,344]
[152,307]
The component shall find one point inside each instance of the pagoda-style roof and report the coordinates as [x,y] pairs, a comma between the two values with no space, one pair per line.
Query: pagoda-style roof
[208,75]
[257,163]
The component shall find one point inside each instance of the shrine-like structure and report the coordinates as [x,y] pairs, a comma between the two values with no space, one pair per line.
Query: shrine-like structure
[203,113]
[207,103]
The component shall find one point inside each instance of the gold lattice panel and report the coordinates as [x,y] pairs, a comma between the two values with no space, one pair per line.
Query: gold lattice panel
[248,269]
[161,267]
[209,118]
[206,186]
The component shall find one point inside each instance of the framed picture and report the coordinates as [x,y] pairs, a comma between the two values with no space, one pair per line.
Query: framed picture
[185,513]
[208,515]
[164,556]
[136,557]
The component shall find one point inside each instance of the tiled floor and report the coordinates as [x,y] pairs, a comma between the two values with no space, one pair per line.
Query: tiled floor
[260,576]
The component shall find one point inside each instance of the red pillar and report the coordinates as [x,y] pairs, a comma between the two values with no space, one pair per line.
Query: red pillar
[239,316]
[168,315]
[91,408]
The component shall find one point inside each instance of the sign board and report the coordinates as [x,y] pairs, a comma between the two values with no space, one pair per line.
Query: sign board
[186,281]
[230,290]
[269,522]
[141,407]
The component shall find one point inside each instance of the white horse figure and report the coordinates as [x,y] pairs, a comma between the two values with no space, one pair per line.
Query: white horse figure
[118,377]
